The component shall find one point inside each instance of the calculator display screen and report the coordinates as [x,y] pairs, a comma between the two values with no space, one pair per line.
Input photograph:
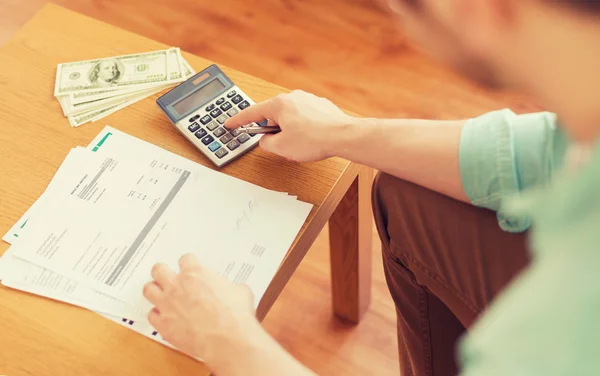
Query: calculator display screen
[199,97]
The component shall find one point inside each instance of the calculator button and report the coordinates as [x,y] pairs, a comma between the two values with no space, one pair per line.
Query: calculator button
[210,108]
[231,94]
[205,119]
[225,139]
[243,105]
[232,112]
[237,99]
[212,126]
[201,133]
[216,113]
[194,127]
[214,146]
[221,119]
[219,132]
[226,106]
[220,101]
[221,153]
[235,132]
[243,138]
[194,118]
[208,139]
[233,145]
[262,123]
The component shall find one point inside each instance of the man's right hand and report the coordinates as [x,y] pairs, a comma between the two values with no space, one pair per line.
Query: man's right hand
[310,125]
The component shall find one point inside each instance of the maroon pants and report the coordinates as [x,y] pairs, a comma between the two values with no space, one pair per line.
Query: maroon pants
[444,262]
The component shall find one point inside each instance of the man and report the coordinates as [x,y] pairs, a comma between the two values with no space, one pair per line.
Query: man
[105,74]
[453,239]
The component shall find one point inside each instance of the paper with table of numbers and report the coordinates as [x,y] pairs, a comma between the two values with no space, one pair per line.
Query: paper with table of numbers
[119,206]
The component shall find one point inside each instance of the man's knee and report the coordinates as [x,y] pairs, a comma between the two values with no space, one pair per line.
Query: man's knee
[389,193]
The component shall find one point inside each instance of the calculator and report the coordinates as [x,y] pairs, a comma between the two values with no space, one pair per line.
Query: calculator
[198,108]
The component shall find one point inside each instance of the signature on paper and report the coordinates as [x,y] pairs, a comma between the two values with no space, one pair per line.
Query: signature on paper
[245,217]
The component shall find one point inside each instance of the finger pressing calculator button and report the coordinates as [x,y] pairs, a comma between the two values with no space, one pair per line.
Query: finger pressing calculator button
[212,126]
[194,127]
[216,113]
[219,132]
[208,139]
[243,138]
[205,119]
[201,133]
[221,153]
[220,101]
[226,106]
[210,108]
[214,146]
[232,93]
[232,112]
[225,139]
[233,145]
[235,132]
[237,99]
[221,119]
[243,105]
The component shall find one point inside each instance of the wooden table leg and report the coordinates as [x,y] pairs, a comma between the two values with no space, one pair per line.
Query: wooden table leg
[350,232]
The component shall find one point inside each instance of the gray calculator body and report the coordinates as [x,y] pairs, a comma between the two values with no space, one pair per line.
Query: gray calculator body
[198,108]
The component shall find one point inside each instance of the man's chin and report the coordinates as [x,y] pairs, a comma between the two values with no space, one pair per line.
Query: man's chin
[482,77]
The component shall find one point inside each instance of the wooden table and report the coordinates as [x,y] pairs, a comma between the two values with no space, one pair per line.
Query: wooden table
[44,337]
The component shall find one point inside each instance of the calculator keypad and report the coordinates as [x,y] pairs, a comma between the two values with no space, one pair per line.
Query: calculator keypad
[221,119]
[214,146]
[201,133]
[237,99]
[225,139]
[243,138]
[233,145]
[212,126]
[219,132]
[205,119]
[221,153]
[207,126]
[194,127]
[208,139]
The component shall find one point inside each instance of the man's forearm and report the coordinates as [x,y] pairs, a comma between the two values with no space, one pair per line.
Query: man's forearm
[424,152]
[253,352]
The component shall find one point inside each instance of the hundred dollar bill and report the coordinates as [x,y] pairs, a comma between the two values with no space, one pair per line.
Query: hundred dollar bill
[79,108]
[174,71]
[128,103]
[188,71]
[175,60]
[120,72]
[77,120]
[97,114]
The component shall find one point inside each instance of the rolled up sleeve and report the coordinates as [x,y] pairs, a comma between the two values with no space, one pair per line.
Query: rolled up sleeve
[501,154]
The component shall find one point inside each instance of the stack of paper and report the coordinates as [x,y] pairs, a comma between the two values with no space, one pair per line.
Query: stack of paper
[119,206]
[92,89]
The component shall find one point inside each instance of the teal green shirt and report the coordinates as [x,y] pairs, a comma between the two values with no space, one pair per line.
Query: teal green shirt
[547,322]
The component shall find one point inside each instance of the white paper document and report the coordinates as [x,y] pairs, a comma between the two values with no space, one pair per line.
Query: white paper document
[119,206]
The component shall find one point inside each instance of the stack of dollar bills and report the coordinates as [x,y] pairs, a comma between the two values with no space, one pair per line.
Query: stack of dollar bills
[92,89]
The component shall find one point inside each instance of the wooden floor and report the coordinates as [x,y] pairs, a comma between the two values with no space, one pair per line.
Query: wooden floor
[346,50]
